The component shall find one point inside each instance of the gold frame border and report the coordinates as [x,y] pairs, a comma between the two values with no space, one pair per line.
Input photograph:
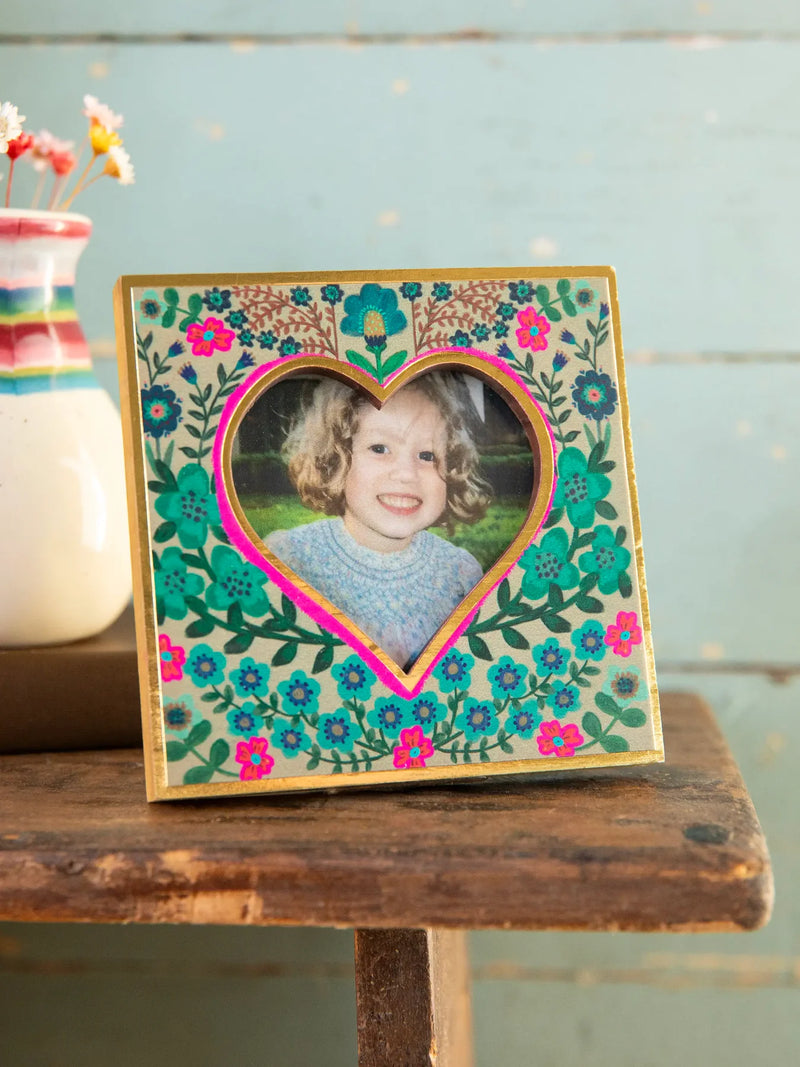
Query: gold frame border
[144,601]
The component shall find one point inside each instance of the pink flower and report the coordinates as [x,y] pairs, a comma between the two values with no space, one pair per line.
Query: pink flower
[212,334]
[534,330]
[100,113]
[171,659]
[253,756]
[557,740]
[625,634]
[20,145]
[413,750]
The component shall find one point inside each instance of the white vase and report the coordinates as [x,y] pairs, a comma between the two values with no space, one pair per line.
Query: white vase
[64,548]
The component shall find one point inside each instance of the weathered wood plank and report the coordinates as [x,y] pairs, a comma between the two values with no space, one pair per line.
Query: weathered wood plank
[654,848]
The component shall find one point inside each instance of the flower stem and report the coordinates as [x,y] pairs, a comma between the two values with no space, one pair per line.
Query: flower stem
[79,185]
[10,179]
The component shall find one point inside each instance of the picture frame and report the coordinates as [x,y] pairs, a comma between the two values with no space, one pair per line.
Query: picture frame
[384,528]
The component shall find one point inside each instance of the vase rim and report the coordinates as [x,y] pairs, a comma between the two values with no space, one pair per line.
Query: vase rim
[22,224]
[38,213]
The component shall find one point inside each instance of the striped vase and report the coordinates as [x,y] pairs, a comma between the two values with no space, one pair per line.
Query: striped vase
[64,556]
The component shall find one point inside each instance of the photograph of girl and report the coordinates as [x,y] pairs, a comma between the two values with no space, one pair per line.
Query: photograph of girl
[390,489]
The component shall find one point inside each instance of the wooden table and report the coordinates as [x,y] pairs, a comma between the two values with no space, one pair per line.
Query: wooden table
[664,847]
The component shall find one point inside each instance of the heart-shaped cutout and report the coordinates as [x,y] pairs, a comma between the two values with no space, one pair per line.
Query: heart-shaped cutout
[381,467]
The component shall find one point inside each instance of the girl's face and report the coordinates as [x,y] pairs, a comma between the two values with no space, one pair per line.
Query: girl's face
[393,488]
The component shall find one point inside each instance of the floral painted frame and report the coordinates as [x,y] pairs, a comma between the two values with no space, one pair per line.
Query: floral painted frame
[251,681]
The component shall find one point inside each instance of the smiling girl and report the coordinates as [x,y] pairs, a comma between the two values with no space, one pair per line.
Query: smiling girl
[387,474]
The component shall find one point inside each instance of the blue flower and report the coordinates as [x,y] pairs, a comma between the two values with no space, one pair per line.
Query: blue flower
[425,709]
[584,296]
[480,331]
[460,339]
[507,678]
[624,684]
[299,695]
[289,347]
[594,395]
[567,337]
[477,719]
[588,641]
[236,319]
[217,299]
[251,678]
[179,716]
[337,731]
[563,699]
[175,349]
[505,311]
[300,296]
[524,720]
[161,411]
[411,290]
[206,666]
[441,291]
[546,563]
[501,329]
[521,292]
[354,680]
[291,739]
[387,715]
[603,311]
[188,373]
[559,361]
[373,314]
[245,360]
[331,294]
[550,658]
[452,671]
[244,721]
[504,352]
[246,338]
[267,339]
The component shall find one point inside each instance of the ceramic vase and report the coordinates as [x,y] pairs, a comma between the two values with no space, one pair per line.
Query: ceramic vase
[64,548]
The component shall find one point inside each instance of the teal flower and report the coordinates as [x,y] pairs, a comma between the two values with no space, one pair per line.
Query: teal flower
[337,731]
[501,329]
[550,658]
[206,666]
[480,331]
[355,682]
[373,315]
[300,296]
[388,715]
[589,641]
[251,678]
[244,721]
[521,292]
[411,291]
[584,296]
[625,684]
[426,709]
[477,719]
[441,291]
[507,678]
[563,699]
[174,583]
[289,347]
[238,582]
[460,339]
[578,489]
[299,695]
[291,739]
[546,564]
[191,506]
[524,720]
[331,294]
[179,716]
[151,308]
[452,671]
[505,311]
[605,558]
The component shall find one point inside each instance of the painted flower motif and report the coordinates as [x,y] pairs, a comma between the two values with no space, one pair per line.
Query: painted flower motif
[179,716]
[559,361]
[441,291]
[387,715]
[563,699]
[568,337]
[331,294]
[161,411]
[237,319]
[373,315]
[267,339]
[578,489]
[209,336]
[299,694]
[244,361]
[589,641]
[480,331]
[10,125]
[244,721]
[150,307]
[584,296]
[520,292]
[171,659]
[507,678]
[238,582]
[191,506]
[289,347]
[426,710]
[477,719]
[414,749]
[174,583]
[603,311]
[176,349]
[255,760]
[594,395]
[550,657]
[251,679]
[505,311]
[354,680]
[300,296]
[452,671]
[501,329]
[605,558]
[206,666]
[460,339]
[246,338]
[217,299]
[411,291]
[337,731]
[291,740]
[546,563]
[557,740]
[533,330]
[525,720]
[623,635]
[624,684]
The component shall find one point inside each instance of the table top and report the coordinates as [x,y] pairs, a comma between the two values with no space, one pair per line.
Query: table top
[675,846]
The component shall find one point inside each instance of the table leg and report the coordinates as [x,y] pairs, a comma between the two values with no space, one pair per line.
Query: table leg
[413,998]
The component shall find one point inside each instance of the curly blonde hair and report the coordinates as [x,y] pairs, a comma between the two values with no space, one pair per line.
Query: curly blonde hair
[319,444]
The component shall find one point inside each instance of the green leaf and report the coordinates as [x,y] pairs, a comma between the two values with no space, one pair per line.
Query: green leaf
[313,763]
[168,318]
[503,594]
[607,704]
[514,638]
[542,294]
[185,323]
[323,659]
[360,361]
[171,297]
[595,456]
[569,307]
[624,583]
[288,609]
[235,615]
[238,643]
[209,698]
[164,532]
[192,430]
[393,363]
[553,314]
[478,647]
[285,654]
[589,582]
[614,743]
[219,533]
[555,516]
[591,725]
[589,604]
[192,560]
[200,627]
[591,327]
[198,775]
[633,718]
[467,754]
[190,452]
[605,509]
[176,750]
[198,734]
[555,596]
[563,286]
[195,303]
[485,757]
[219,752]
[621,535]
[589,668]
[556,624]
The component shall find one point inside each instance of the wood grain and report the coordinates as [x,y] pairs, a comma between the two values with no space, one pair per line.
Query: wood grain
[654,848]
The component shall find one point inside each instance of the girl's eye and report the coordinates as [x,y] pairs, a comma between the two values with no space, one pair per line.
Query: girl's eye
[378,449]
[427,457]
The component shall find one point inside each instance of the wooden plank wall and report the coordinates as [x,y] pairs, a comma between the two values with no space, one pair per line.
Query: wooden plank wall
[664,139]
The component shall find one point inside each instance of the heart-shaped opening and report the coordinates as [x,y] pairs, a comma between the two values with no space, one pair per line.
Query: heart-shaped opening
[390,511]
